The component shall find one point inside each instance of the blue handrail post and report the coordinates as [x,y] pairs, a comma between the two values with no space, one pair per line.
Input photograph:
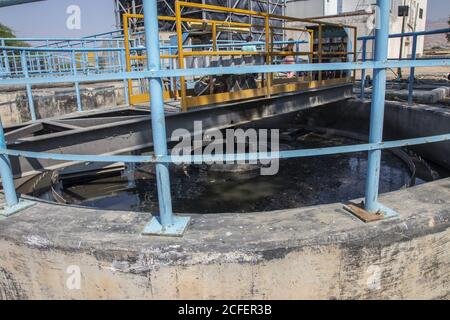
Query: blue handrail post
[97,64]
[12,204]
[77,85]
[377,111]
[412,71]
[6,173]
[5,57]
[125,81]
[23,59]
[49,59]
[363,71]
[167,224]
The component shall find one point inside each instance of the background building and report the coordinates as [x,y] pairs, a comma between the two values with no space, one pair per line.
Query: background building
[359,12]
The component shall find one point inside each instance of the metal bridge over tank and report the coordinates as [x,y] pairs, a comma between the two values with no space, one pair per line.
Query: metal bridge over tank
[195,43]
[222,100]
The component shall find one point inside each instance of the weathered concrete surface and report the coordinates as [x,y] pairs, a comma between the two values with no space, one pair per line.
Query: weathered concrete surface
[423,93]
[419,96]
[57,101]
[318,252]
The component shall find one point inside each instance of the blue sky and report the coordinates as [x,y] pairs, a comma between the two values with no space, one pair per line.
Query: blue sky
[438,9]
[48,18]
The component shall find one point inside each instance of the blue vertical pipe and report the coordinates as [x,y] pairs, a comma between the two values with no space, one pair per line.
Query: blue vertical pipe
[13,56]
[350,50]
[377,109]
[412,71]
[125,81]
[97,64]
[49,59]
[77,85]
[363,71]
[5,56]
[157,109]
[23,58]
[84,58]
[6,174]
[38,63]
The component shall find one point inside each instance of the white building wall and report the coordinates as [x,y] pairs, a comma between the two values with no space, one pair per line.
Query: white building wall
[330,7]
[355,5]
[415,22]
[305,8]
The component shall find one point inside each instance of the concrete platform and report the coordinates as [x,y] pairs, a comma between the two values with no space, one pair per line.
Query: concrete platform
[312,253]
[426,94]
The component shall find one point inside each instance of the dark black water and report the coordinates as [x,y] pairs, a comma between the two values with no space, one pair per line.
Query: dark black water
[299,182]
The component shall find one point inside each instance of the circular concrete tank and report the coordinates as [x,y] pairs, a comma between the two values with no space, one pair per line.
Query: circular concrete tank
[319,252]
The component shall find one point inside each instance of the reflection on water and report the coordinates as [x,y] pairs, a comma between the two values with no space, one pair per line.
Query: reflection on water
[300,182]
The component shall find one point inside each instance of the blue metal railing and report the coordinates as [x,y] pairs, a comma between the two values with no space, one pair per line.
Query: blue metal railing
[414,35]
[169,224]
[28,62]
[58,60]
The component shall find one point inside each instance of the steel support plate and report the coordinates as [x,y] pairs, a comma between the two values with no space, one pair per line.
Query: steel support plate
[359,211]
[177,229]
[7,211]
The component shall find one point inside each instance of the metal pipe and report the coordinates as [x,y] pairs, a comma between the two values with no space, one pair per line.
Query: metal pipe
[289,154]
[5,57]
[268,55]
[363,71]
[125,81]
[77,84]
[126,33]
[410,34]
[412,72]
[7,3]
[319,49]
[28,86]
[377,109]
[180,54]
[402,44]
[6,173]
[228,70]
[157,108]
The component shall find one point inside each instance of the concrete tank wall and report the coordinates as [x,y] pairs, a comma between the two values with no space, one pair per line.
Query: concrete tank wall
[53,102]
[319,252]
[311,253]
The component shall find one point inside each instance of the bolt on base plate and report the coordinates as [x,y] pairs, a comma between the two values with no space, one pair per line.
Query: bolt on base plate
[7,211]
[177,229]
[359,211]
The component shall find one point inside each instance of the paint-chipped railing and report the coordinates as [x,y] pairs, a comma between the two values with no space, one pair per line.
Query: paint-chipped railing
[415,36]
[169,224]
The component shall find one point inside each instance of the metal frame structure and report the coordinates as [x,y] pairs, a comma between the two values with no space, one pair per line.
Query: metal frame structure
[120,130]
[167,8]
[62,57]
[268,86]
[171,225]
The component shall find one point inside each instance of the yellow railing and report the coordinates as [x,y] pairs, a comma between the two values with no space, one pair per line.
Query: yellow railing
[268,85]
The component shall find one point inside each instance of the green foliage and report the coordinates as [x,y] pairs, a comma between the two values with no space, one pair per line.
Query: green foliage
[6,32]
